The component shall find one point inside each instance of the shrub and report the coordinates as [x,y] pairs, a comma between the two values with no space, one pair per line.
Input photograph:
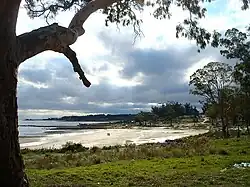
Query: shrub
[72,147]
[223,152]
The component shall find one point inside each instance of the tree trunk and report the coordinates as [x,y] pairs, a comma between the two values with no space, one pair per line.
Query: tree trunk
[238,131]
[235,121]
[224,128]
[227,127]
[248,124]
[11,163]
[221,103]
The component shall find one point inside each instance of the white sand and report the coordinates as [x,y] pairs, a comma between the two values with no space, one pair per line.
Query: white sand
[100,138]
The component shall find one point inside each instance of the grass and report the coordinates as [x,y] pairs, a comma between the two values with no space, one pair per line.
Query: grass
[196,161]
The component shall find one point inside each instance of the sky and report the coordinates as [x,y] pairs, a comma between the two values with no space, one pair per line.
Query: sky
[126,77]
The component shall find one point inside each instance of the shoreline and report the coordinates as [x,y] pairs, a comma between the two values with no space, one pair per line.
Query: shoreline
[108,137]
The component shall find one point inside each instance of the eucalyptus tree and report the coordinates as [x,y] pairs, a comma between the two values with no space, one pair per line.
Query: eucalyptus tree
[212,82]
[235,44]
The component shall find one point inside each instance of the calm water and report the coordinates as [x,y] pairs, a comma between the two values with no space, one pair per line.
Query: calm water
[30,130]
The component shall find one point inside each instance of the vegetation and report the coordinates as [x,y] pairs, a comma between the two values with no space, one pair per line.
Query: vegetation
[169,112]
[225,89]
[199,160]
[97,117]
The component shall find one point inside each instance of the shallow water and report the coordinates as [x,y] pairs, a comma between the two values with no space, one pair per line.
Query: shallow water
[27,128]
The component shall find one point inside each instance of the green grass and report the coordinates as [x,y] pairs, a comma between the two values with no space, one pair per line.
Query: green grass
[196,161]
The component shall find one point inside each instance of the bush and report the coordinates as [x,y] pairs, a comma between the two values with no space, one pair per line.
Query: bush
[72,147]
[95,149]
[223,152]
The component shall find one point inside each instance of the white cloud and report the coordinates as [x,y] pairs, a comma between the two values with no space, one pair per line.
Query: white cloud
[198,65]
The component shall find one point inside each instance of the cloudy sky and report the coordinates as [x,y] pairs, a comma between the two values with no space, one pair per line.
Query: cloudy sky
[125,77]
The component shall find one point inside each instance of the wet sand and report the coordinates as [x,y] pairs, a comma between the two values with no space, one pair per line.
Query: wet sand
[100,137]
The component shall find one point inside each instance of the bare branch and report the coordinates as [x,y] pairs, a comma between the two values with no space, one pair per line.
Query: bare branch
[55,38]
[82,15]
[71,55]
[52,37]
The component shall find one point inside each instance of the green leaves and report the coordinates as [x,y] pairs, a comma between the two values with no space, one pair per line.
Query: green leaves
[123,13]
[173,110]
[208,81]
[49,9]
[236,45]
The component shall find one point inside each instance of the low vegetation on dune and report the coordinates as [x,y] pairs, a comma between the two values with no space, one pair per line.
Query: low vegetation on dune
[202,160]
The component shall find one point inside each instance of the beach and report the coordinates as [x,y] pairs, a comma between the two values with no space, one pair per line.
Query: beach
[108,137]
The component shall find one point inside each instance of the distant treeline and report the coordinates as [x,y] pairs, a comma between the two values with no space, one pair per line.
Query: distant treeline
[98,117]
[170,111]
[167,111]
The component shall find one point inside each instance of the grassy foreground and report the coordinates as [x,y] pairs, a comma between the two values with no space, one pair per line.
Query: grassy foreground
[195,161]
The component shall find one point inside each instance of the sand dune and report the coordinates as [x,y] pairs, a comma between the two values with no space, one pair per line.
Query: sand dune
[101,138]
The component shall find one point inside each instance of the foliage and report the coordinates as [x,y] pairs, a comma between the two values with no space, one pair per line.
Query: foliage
[125,13]
[144,117]
[199,145]
[209,81]
[235,44]
[173,110]
[224,100]
[199,160]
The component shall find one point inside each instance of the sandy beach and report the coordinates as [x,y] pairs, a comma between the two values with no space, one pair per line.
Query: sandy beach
[101,138]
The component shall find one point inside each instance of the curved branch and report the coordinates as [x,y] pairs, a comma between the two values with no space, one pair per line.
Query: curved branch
[71,55]
[82,15]
[52,37]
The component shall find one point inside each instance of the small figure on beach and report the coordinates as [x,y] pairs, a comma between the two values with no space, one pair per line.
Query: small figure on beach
[108,134]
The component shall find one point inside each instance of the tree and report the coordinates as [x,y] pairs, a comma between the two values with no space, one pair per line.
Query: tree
[212,113]
[144,117]
[174,110]
[211,82]
[236,45]
[204,106]
[170,112]
[14,50]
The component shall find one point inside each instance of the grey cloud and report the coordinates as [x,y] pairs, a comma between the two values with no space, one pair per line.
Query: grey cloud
[163,72]
[37,76]
[154,62]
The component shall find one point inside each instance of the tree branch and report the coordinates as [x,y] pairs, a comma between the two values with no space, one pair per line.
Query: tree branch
[58,38]
[71,55]
[82,15]
[52,37]
[55,37]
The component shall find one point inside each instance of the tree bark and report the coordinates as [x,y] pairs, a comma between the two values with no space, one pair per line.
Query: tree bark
[11,164]
[227,127]
[221,103]
[248,124]
[224,128]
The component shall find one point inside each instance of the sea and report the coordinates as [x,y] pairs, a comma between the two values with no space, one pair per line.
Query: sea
[42,127]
